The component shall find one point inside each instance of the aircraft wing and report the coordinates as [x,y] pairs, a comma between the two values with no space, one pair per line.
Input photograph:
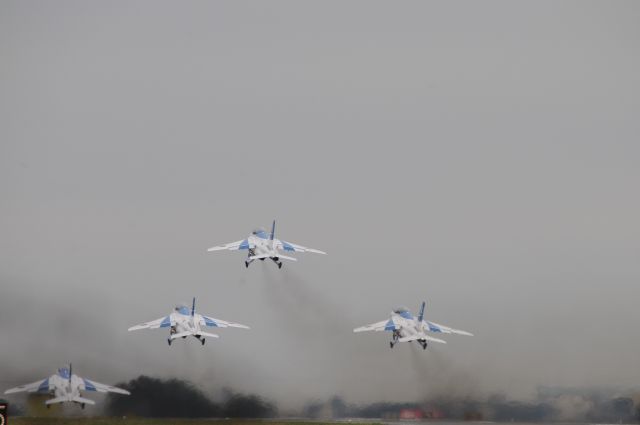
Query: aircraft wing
[87,385]
[385,325]
[213,322]
[163,322]
[39,386]
[233,246]
[291,247]
[416,337]
[437,328]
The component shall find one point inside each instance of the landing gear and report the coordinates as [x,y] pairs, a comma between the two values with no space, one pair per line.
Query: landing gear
[277,261]
[396,336]
[202,341]
[169,341]
[82,406]
[423,343]
[246,264]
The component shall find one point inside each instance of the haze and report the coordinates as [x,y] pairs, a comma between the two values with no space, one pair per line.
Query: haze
[480,156]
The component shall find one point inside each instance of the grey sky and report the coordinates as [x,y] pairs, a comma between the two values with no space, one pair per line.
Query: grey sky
[480,155]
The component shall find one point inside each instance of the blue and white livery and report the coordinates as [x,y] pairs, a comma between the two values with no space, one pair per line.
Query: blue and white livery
[183,322]
[406,327]
[261,245]
[65,386]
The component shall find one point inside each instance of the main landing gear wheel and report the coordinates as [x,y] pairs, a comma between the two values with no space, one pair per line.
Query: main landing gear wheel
[203,340]
[391,344]
[169,341]
[82,406]
[246,264]
[279,265]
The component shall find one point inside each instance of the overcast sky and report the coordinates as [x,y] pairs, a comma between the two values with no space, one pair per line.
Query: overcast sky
[481,156]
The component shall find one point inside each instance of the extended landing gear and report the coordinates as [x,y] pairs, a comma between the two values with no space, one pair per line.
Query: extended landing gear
[396,336]
[82,406]
[277,261]
[423,343]
[246,264]
[169,341]
[202,341]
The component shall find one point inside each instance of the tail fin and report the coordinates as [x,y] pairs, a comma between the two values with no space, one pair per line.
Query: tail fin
[421,315]
[70,373]
[273,230]
[193,307]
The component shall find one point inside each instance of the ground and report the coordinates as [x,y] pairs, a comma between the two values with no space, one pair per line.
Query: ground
[136,421]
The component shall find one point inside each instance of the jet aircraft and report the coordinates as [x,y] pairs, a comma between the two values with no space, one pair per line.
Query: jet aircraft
[261,245]
[65,386]
[406,327]
[183,322]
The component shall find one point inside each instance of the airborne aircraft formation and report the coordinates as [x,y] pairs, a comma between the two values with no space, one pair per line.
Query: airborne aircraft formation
[65,386]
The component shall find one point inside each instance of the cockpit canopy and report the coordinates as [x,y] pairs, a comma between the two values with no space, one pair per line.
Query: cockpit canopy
[404,312]
[64,372]
[183,309]
[261,233]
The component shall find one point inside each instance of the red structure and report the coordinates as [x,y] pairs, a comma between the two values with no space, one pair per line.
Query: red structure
[411,414]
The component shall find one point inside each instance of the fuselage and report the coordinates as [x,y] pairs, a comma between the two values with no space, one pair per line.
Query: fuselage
[407,324]
[184,321]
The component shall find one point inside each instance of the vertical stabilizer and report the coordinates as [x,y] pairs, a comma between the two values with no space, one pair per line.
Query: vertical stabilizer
[193,307]
[421,315]
[273,230]
[70,373]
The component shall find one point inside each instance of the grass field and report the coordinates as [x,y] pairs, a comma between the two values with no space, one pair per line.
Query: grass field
[136,421]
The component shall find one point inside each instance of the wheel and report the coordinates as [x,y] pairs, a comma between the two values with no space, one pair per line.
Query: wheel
[203,340]
[169,341]
[82,406]
[391,344]
[246,264]
[279,265]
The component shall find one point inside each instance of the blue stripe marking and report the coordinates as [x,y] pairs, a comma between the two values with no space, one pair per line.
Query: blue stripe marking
[434,328]
[287,246]
[44,386]
[390,326]
[209,322]
[88,385]
[166,322]
[244,244]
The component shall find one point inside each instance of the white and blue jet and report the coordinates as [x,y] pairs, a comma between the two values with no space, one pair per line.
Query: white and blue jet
[184,322]
[406,327]
[261,245]
[65,386]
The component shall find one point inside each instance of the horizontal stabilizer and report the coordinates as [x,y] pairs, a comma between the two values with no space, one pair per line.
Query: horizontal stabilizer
[83,400]
[207,334]
[421,336]
[257,257]
[56,400]
[180,335]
